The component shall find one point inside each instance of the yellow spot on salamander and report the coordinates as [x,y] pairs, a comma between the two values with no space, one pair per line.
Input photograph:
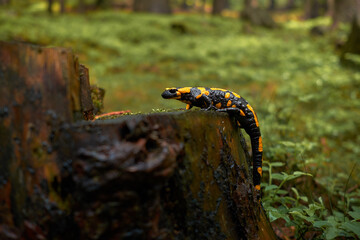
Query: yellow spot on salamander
[259,171]
[188,106]
[218,105]
[184,90]
[203,91]
[236,95]
[229,103]
[255,117]
[199,96]
[257,187]
[260,144]
[242,113]
[234,106]
[219,89]
[227,95]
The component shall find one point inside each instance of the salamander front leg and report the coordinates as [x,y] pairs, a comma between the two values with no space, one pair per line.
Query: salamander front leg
[208,103]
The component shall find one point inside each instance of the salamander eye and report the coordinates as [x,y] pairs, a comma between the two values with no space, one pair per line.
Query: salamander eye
[172,90]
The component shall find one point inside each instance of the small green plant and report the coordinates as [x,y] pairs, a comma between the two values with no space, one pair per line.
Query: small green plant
[304,215]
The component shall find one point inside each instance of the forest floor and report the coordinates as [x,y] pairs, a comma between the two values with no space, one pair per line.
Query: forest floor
[307,103]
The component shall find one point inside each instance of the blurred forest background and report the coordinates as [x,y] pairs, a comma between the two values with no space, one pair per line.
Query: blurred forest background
[296,62]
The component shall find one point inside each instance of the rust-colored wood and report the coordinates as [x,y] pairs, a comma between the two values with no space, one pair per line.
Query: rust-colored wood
[182,175]
[87,106]
[39,93]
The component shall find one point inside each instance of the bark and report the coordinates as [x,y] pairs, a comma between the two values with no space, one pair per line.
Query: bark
[184,5]
[315,8]
[352,44]
[219,6]
[164,174]
[330,8]
[256,15]
[62,6]
[50,3]
[272,5]
[4,2]
[40,92]
[99,3]
[87,106]
[152,6]
[290,5]
[311,9]
[81,6]
[344,11]
[183,175]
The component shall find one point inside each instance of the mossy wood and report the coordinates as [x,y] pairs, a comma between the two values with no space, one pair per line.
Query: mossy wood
[182,175]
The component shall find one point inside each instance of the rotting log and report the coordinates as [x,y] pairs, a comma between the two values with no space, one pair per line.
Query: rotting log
[39,93]
[182,175]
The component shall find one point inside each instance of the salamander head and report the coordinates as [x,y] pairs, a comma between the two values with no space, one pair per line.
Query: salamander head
[176,93]
[171,93]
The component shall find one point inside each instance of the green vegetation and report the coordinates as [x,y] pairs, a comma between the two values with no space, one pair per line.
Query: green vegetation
[308,105]
[309,217]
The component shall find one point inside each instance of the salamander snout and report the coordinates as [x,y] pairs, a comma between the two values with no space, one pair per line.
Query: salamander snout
[170,93]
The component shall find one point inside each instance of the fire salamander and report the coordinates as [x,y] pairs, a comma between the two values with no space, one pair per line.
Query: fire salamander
[225,101]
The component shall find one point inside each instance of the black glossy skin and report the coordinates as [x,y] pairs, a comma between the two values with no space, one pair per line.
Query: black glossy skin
[218,99]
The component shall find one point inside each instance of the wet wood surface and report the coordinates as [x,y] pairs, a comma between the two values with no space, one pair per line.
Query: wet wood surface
[176,175]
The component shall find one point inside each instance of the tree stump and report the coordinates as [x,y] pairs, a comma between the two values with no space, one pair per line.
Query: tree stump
[180,175]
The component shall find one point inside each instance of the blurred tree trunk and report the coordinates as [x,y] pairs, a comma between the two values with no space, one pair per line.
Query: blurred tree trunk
[50,3]
[256,15]
[4,2]
[152,6]
[311,9]
[139,5]
[315,8]
[202,6]
[352,44]
[184,5]
[98,3]
[330,8]
[272,5]
[219,6]
[62,6]
[251,3]
[290,5]
[103,3]
[344,11]
[81,6]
